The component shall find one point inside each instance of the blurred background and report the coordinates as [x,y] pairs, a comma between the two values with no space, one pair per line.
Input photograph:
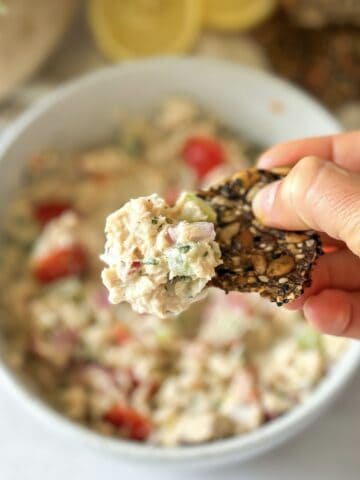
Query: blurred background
[314,43]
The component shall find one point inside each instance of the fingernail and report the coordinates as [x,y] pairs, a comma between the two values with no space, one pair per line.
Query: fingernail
[263,202]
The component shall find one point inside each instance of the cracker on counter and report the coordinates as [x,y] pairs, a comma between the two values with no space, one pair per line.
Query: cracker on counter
[323,61]
[256,258]
[319,13]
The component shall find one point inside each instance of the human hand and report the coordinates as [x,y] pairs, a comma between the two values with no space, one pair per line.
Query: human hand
[321,192]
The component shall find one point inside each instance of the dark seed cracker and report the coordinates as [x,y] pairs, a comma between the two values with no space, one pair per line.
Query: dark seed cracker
[275,263]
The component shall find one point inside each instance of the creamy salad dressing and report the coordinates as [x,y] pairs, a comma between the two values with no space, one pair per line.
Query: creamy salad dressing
[224,367]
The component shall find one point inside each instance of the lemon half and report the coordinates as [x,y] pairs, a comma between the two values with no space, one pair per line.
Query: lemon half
[228,15]
[141,28]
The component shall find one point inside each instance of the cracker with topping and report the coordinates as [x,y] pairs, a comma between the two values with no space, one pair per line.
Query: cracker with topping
[256,258]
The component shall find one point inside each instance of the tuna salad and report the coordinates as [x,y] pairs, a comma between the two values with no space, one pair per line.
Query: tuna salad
[224,367]
[157,261]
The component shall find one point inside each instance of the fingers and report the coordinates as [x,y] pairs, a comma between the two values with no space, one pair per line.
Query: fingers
[339,270]
[316,194]
[341,149]
[335,312]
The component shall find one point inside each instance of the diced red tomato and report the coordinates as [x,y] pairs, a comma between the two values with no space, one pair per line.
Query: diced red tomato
[202,154]
[120,334]
[329,248]
[45,212]
[71,260]
[136,425]
[135,264]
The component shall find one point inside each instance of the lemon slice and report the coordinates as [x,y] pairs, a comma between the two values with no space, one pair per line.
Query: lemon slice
[236,14]
[141,28]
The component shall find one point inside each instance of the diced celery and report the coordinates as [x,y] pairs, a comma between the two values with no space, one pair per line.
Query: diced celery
[309,340]
[178,263]
[194,209]
[184,248]
[163,335]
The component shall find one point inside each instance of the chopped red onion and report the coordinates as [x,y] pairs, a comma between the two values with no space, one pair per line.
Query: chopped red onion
[203,231]
[192,232]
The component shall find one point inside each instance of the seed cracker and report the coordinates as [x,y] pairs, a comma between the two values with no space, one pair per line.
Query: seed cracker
[256,258]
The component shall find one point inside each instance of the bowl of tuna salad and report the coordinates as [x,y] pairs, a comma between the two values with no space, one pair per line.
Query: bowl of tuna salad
[232,375]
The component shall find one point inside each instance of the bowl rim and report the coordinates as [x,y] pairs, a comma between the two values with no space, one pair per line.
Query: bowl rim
[244,446]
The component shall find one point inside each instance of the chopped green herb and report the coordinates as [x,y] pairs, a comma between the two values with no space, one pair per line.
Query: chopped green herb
[206,254]
[184,248]
[134,146]
[150,261]
[183,278]
[154,220]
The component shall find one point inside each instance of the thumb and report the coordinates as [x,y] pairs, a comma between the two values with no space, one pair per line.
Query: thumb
[316,194]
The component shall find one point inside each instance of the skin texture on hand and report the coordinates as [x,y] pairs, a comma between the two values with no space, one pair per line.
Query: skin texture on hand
[321,192]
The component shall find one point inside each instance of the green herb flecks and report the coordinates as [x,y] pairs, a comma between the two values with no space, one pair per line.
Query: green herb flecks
[154,220]
[134,146]
[150,261]
[184,248]
[183,278]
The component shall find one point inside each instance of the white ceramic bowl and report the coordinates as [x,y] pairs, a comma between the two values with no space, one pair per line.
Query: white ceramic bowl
[264,108]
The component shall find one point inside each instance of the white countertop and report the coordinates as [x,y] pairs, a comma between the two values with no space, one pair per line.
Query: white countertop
[329,449]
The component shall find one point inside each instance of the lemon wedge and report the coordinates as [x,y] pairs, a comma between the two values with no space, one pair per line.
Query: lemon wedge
[228,15]
[141,28]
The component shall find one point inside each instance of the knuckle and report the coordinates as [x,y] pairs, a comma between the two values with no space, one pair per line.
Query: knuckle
[304,177]
[301,186]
